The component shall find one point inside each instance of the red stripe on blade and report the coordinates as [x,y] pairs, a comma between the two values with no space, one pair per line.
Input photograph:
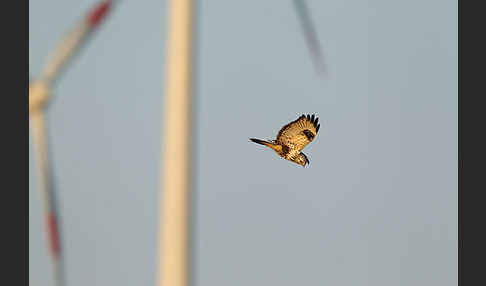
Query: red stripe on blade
[53,235]
[98,13]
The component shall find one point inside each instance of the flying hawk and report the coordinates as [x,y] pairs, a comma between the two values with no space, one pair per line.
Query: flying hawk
[292,138]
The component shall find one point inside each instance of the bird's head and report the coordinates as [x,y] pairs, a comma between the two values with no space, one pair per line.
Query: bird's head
[302,160]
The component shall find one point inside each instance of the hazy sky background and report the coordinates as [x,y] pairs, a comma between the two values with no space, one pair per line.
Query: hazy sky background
[377,204]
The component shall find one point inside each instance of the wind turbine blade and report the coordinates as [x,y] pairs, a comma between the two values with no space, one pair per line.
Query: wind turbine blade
[72,41]
[47,192]
[310,35]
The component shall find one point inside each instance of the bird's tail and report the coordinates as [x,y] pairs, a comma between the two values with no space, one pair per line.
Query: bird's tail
[262,142]
[274,146]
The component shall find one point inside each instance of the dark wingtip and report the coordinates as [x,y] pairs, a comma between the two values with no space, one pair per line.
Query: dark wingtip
[312,118]
[315,122]
[308,117]
[317,128]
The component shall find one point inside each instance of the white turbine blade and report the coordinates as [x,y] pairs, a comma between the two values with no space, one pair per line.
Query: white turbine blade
[39,141]
[310,35]
[72,41]
[63,52]
[39,135]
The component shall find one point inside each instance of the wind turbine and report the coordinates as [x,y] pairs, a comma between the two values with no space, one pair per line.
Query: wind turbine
[39,97]
[176,173]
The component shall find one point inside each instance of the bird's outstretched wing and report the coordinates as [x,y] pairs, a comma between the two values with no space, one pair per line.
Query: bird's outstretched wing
[297,134]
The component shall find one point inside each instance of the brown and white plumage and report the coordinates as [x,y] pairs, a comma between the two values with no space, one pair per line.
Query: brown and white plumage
[293,137]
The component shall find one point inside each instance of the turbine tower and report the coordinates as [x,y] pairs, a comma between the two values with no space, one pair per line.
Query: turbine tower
[173,265]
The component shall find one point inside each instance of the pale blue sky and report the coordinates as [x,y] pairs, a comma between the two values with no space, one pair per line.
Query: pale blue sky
[377,205]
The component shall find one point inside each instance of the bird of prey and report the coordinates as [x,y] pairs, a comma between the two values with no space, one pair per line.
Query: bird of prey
[292,138]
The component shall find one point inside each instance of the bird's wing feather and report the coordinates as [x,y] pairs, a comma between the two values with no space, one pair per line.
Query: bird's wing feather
[298,133]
